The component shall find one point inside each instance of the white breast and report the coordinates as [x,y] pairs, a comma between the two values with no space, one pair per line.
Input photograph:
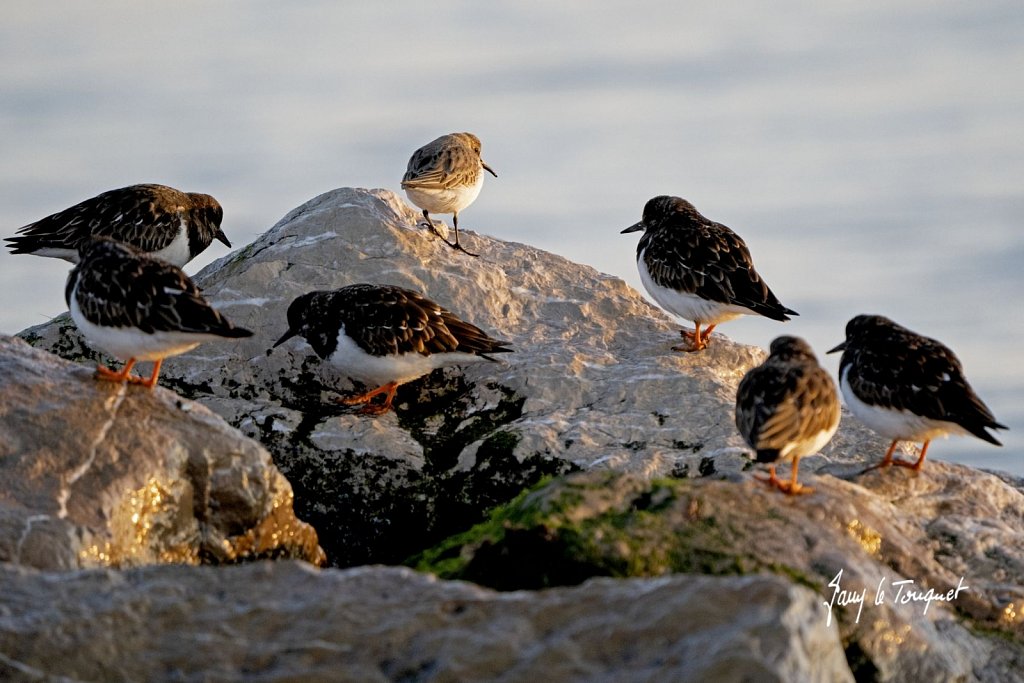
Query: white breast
[379,370]
[447,200]
[685,305]
[177,252]
[895,424]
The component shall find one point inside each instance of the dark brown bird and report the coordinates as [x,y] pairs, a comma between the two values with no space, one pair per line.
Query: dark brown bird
[384,336]
[908,387]
[158,220]
[139,308]
[787,408]
[699,270]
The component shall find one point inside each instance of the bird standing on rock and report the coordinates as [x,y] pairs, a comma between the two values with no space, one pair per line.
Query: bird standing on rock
[787,408]
[384,336]
[699,270]
[445,176]
[139,308]
[164,222]
[908,387]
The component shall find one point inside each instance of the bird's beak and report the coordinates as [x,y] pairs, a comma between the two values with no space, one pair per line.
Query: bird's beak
[839,347]
[633,228]
[287,335]
[221,237]
[488,168]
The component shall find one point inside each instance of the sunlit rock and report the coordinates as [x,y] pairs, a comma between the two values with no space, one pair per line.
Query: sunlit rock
[99,474]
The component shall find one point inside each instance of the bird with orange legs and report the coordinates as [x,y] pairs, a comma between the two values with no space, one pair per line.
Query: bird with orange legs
[136,307]
[908,387]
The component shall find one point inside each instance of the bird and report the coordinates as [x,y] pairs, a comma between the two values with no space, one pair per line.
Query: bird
[167,223]
[445,176]
[137,307]
[908,387]
[699,270]
[786,408]
[384,336]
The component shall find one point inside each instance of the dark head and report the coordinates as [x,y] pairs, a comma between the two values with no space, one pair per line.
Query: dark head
[296,317]
[208,214]
[787,347]
[662,208]
[862,327]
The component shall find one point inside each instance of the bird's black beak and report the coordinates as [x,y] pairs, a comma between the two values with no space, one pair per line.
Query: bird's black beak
[633,228]
[221,237]
[839,347]
[488,168]
[287,335]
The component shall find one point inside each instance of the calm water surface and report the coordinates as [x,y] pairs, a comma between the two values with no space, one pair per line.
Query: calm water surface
[871,153]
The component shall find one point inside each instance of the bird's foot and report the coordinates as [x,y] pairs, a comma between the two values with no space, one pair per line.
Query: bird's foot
[123,375]
[789,488]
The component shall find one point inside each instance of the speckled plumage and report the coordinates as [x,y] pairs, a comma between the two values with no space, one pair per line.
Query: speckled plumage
[136,307]
[698,269]
[787,407]
[908,387]
[445,176]
[384,336]
[149,217]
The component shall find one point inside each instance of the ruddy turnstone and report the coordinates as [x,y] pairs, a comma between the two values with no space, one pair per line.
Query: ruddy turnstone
[155,219]
[139,308]
[787,408]
[908,387]
[384,336]
[445,176]
[699,270]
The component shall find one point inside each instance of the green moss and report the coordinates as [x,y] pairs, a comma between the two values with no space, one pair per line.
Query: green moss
[568,529]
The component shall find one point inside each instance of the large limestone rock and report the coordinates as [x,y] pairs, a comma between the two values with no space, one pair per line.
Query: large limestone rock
[287,622]
[97,474]
[871,532]
[592,382]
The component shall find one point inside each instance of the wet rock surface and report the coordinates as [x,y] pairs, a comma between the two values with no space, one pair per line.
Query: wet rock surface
[98,474]
[286,622]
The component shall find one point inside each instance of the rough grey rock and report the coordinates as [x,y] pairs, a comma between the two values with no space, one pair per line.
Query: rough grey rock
[592,384]
[869,532]
[287,622]
[98,474]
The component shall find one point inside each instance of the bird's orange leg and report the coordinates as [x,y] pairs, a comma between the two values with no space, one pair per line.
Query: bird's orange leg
[916,466]
[151,382]
[696,339]
[888,457]
[105,373]
[791,487]
[389,389]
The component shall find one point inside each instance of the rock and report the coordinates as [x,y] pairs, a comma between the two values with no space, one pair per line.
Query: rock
[667,493]
[592,382]
[97,474]
[872,531]
[286,622]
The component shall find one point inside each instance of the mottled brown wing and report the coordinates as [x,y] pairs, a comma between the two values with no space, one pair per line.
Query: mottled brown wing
[144,216]
[907,371]
[784,403]
[118,291]
[386,320]
[711,261]
[439,167]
